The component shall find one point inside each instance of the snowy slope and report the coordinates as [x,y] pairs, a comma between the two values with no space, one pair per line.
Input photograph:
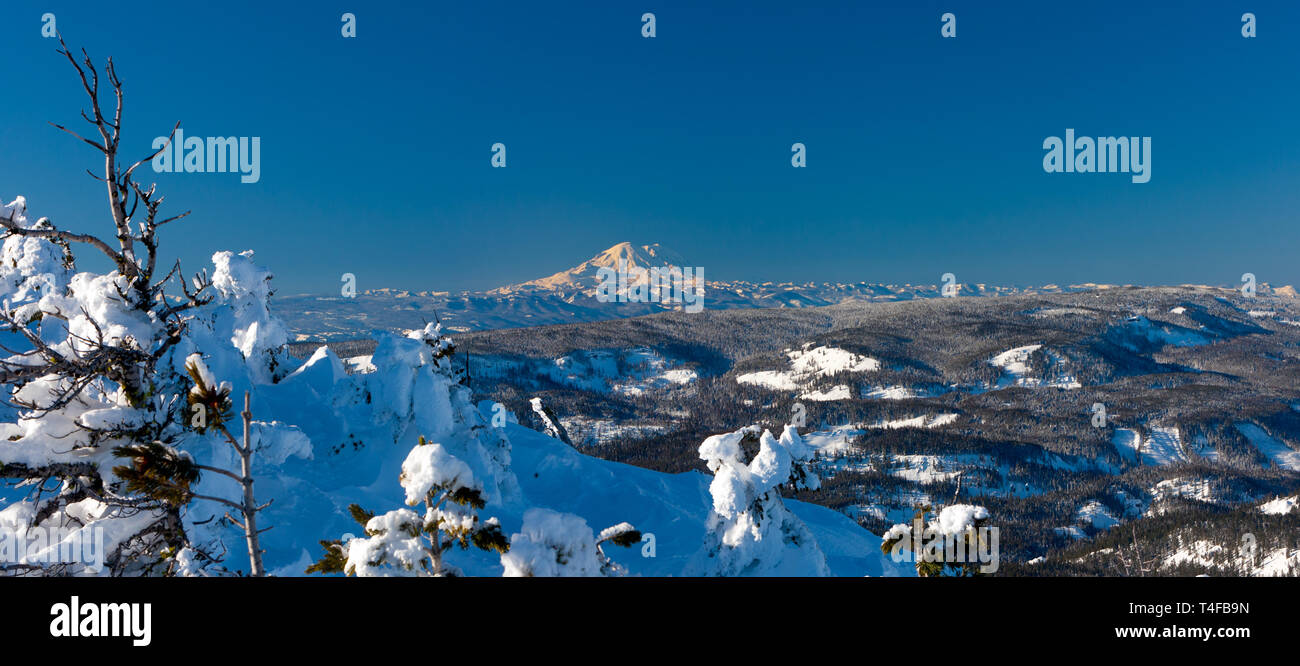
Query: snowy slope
[313,493]
[551,474]
[671,506]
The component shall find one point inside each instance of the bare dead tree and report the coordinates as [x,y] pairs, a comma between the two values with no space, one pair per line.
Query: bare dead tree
[94,358]
[1133,563]
[97,361]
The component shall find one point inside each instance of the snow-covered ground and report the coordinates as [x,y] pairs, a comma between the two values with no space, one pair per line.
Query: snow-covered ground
[1162,447]
[1139,328]
[671,506]
[1096,514]
[809,363]
[923,421]
[1278,453]
[1015,362]
[1016,366]
[838,392]
[1280,506]
[1199,490]
[929,469]
[1270,563]
[594,432]
[1200,445]
[1071,531]
[834,441]
[822,361]
[899,392]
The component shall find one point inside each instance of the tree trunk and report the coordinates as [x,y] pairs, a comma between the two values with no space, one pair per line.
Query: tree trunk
[250,505]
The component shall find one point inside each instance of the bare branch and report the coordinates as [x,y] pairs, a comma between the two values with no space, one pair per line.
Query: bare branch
[65,236]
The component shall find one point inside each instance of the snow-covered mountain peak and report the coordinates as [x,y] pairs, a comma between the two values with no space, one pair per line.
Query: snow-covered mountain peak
[643,256]
[584,275]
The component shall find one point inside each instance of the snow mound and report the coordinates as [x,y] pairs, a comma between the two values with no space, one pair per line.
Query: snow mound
[552,544]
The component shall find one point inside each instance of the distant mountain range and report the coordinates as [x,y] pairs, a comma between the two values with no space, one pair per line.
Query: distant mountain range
[569,296]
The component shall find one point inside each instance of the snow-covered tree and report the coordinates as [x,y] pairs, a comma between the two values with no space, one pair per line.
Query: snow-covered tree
[97,425]
[417,388]
[85,350]
[403,543]
[549,421]
[750,531]
[946,545]
[554,544]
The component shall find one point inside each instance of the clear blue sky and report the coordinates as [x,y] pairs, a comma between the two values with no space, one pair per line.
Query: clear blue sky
[924,154]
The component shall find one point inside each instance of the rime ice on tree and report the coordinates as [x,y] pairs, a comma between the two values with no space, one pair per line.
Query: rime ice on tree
[750,531]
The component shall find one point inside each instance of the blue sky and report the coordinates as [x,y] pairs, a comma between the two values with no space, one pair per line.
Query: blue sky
[924,154]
